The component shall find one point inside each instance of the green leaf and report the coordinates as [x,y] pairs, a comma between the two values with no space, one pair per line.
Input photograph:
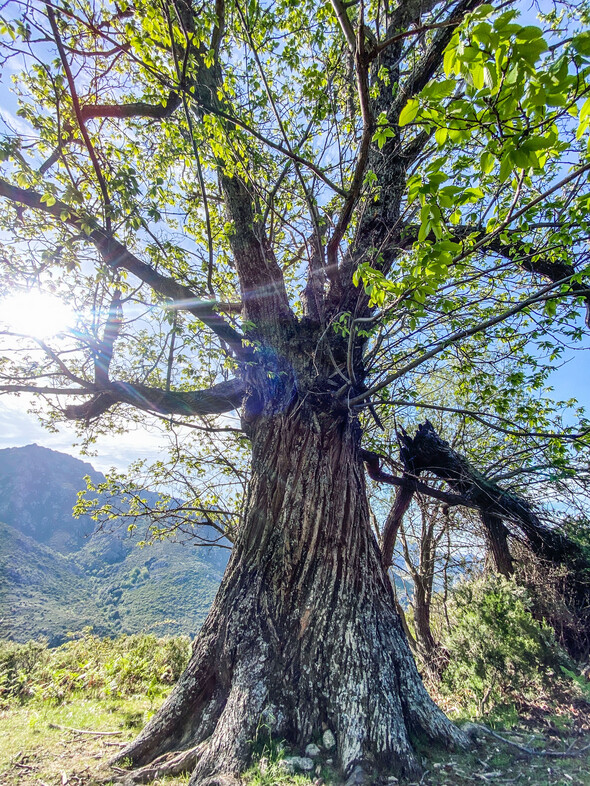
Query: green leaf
[440,136]
[486,162]
[581,43]
[506,166]
[529,33]
[585,110]
[409,112]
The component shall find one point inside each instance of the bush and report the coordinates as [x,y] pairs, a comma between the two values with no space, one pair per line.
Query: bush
[93,667]
[18,664]
[498,652]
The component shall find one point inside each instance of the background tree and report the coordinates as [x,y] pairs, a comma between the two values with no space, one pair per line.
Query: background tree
[301,211]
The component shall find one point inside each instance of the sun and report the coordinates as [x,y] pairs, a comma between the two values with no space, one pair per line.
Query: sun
[35,313]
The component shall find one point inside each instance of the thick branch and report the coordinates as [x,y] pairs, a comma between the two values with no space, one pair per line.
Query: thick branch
[373,462]
[134,109]
[403,498]
[224,397]
[497,542]
[430,453]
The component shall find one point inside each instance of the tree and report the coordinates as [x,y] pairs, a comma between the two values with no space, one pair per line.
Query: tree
[246,204]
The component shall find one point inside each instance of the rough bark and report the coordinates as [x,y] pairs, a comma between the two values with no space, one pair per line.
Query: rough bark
[304,630]
[497,543]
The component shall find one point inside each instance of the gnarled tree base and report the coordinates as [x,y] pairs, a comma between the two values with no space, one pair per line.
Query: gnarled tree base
[364,687]
[303,634]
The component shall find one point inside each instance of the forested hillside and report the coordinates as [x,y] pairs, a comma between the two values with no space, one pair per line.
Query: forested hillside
[57,576]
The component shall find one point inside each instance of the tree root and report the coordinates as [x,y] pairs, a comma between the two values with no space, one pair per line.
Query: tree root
[170,764]
[568,754]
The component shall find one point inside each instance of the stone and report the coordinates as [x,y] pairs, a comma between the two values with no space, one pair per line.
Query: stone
[312,751]
[471,730]
[263,765]
[328,740]
[297,764]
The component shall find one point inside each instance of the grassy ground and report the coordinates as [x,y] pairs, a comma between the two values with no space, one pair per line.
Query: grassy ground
[37,749]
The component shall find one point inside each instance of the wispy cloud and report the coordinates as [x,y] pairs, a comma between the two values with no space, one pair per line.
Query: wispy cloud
[15,124]
[18,428]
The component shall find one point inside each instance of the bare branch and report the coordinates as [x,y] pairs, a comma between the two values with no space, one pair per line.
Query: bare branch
[454,338]
[345,24]
[77,111]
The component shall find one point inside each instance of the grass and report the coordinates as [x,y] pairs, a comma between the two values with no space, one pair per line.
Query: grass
[35,751]
[48,695]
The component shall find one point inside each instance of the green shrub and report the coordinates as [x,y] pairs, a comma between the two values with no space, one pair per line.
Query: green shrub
[18,665]
[90,666]
[498,652]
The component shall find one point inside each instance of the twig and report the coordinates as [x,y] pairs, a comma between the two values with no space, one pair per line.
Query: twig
[86,731]
[532,751]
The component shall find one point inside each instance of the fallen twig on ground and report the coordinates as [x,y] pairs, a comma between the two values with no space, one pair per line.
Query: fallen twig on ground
[533,751]
[85,731]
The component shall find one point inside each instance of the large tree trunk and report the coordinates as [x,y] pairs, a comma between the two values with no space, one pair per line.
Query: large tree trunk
[303,633]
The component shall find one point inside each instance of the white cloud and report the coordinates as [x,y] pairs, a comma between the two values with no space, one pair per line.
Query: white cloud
[18,428]
[15,123]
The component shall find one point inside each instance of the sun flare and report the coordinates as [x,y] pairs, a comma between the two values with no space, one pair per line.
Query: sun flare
[35,313]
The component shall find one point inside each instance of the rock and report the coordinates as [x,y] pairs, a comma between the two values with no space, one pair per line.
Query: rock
[471,730]
[328,740]
[297,764]
[312,751]
[263,765]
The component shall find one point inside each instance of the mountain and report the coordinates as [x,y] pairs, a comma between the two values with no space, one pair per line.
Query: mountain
[38,489]
[57,575]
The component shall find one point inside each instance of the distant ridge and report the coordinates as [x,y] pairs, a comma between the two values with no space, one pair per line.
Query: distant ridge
[57,577]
